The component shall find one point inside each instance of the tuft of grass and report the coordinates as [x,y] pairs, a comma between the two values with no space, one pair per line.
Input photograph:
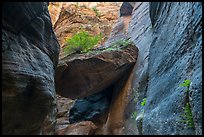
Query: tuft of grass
[81,42]
[121,43]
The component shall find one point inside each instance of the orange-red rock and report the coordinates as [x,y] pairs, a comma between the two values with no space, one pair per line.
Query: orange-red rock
[70,17]
[81,75]
[81,128]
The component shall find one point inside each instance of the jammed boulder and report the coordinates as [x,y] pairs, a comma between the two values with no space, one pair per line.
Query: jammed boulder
[29,57]
[81,75]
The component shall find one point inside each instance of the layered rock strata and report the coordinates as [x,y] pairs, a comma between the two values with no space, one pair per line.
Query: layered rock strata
[29,57]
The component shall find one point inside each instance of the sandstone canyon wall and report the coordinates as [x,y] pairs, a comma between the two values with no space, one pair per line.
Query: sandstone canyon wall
[29,57]
[167,43]
[168,36]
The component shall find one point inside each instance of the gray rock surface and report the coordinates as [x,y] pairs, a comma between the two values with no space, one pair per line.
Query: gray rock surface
[174,55]
[29,57]
[140,33]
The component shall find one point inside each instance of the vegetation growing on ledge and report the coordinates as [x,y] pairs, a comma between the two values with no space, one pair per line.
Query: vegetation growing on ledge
[81,42]
[187,117]
[122,43]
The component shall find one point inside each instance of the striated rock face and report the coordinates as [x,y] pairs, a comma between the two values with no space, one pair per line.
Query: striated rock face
[169,53]
[140,32]
[175,56]
[29,57]
[81,75]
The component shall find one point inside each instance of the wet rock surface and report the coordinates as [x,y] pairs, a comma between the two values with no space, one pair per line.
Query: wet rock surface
[29,57]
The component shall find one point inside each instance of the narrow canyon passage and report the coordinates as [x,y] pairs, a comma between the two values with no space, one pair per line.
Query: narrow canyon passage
[101,68]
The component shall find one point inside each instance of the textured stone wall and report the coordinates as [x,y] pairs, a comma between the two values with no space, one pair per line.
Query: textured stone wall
[140,33]
[170,51]
[29,57]
[175,55]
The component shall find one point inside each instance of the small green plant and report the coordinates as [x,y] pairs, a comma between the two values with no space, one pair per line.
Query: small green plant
[122,43]
[186,83]
[81,42]
[187,117]
[96,11]
[134,115]
[143,102]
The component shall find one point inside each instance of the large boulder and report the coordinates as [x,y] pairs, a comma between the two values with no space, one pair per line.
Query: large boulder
[29,57]
[81,75]
[91,107]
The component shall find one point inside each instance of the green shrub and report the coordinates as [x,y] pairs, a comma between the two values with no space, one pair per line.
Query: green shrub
[81,42]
